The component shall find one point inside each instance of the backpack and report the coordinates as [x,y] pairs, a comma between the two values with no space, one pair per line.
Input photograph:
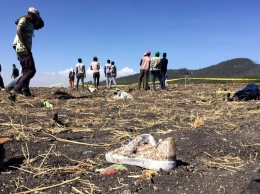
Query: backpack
[250,92]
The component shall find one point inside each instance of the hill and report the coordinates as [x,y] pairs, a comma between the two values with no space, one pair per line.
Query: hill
[240,67]
[233,68]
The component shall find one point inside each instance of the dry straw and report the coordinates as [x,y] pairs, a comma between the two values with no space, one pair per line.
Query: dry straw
[146,174]
[48,187]
[229,163]
[79,143]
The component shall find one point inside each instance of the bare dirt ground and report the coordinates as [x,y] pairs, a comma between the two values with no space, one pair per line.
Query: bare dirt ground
[217,142]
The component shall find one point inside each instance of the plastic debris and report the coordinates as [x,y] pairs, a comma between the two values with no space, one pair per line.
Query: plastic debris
[47,104]
[111,169]
[122,95]
[92,89]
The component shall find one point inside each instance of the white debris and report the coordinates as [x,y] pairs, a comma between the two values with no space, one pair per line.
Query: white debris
[122,95]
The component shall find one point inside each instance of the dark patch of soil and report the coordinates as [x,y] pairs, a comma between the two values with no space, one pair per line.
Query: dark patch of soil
[57,150]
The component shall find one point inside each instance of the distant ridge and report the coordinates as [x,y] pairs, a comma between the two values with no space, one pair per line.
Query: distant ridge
[240,67]
[233,68]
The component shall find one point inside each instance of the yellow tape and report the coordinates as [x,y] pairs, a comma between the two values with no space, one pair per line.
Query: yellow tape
[215,79]
[212,79]
[56,84]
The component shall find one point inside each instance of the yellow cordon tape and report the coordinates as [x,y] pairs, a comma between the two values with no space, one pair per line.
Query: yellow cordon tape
[216,79]
[224,79]
[177,79]
[56,84]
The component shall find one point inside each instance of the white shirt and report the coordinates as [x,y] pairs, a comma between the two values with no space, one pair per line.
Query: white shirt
[80,67]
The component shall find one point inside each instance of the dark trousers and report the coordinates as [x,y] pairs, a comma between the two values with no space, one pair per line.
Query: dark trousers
[157,74]
[1,82]
[163,80]
[80,76]
[28,71]
[96,77]
[11,85]
[143,74]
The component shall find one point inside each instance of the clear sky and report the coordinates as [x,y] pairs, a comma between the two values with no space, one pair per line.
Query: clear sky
[194,34]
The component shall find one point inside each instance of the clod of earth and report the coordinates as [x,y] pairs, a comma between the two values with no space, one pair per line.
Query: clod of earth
[3,140]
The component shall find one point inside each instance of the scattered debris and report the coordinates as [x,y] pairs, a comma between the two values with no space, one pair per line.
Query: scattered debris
[249,92]
[143,151]
[146,174]
[111,169]
[47,104]
[92,89]
[122,95]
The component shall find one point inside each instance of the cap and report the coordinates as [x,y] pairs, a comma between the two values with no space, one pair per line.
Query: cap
[148,52]
[157,53]
[35,11]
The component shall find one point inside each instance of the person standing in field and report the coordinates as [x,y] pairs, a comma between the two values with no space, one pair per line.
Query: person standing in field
[95,66]
[144,70]
[71,78]
[15,73]
[156,69]
[164,64]
[80,73]
[1,79]
[23,47]
[113,74]
[107,72]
